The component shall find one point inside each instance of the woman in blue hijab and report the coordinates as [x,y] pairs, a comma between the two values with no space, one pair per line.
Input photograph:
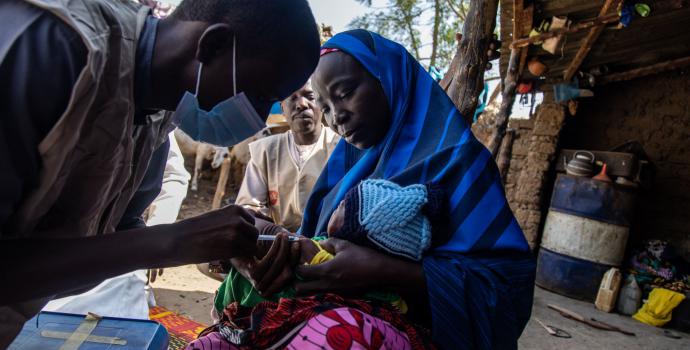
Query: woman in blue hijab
[474,290]
[398,124]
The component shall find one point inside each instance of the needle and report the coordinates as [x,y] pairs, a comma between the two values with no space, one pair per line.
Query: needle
[273,238]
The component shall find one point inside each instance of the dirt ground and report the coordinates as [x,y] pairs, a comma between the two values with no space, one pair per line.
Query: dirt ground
[186,291]
[199,202]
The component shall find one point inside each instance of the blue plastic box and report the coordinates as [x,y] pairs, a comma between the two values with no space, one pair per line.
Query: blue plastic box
[138,334]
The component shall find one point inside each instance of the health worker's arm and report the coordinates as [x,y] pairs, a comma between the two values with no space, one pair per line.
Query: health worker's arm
[42,267]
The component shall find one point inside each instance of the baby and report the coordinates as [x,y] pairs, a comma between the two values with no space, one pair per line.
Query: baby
[401,221]
[384,215]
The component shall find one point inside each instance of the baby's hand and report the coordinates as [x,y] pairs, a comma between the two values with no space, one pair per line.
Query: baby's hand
[308,250]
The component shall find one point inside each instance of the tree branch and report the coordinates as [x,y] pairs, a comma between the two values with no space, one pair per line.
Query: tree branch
[468,78]
[434,35]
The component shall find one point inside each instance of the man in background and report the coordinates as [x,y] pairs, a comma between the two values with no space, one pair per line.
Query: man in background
[283,168]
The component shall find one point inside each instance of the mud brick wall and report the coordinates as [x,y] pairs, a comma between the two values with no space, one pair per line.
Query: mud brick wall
[528,191]
[521,140]
[656,112]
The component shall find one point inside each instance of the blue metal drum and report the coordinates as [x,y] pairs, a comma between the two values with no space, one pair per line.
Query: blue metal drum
[585,234]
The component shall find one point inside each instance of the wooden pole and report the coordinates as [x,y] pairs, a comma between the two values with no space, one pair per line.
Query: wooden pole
[508,98]
[468,77]
[222,182]
[586,24]
[505,154]
[649,70]
[590,39]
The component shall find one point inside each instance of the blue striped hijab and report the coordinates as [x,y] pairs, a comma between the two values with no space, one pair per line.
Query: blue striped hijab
[428,141]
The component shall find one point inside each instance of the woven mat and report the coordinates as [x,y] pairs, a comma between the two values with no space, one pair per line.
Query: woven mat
[182,330]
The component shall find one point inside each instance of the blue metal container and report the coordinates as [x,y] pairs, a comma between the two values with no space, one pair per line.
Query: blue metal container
[49,330]
[585,234]
[572,277]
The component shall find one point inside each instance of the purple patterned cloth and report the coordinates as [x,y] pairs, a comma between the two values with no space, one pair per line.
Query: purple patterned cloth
[339,329]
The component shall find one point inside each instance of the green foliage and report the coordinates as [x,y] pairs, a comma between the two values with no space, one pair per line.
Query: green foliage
[405,20]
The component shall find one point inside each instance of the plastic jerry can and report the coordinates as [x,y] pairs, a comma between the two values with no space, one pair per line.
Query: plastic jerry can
[608,290]
[630,298]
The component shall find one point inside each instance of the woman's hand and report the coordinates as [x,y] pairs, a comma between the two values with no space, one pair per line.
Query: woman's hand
[356,270]
[273,271]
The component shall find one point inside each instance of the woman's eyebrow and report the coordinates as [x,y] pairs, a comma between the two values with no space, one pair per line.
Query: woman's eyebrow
[336,83]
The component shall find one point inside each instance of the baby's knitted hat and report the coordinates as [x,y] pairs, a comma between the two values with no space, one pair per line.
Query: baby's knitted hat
[390,216]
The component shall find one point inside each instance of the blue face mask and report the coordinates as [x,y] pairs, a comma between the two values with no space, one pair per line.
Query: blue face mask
[227,124]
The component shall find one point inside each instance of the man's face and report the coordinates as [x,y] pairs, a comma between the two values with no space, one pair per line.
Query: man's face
[300,111]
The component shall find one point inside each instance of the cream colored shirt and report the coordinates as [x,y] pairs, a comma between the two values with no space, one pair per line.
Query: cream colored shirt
[281,174]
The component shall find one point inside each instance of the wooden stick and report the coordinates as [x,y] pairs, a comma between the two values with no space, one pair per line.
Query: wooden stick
[505,154]
[590,39]
[508,97]
[592,322]
[586,24]
[644,71]
[522,25]
[222,182]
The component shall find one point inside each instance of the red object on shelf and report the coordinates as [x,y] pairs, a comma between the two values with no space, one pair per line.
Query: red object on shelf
[602,175]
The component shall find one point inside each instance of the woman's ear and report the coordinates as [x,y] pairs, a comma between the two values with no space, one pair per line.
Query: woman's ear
[213,42]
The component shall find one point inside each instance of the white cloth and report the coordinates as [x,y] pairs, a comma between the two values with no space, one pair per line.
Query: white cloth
[121,296]
[126,295]
[165,208]
[300,153]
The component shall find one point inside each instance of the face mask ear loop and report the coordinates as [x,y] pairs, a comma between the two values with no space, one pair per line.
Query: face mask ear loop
[234,65]
[198,79]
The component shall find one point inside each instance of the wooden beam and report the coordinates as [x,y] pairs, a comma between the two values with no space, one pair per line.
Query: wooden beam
[522,25]
[505,154]
[645,71]
[468,77]
[586,24]
[589,40]
[508,98]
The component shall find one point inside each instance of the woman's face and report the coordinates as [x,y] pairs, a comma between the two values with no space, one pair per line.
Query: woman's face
[351,100]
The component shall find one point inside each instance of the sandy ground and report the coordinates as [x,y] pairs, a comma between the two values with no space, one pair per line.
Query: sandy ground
[187,292]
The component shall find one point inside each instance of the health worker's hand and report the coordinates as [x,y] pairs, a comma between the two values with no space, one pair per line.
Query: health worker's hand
[219,234]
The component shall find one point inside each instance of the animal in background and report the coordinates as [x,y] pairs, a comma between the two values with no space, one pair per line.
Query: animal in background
[200,152]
